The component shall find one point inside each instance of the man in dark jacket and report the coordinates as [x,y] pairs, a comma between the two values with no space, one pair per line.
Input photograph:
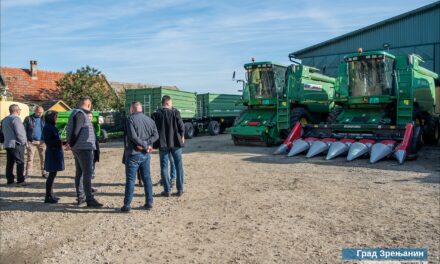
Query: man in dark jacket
[33,125]
[171,140]
[81,139]
[141,133]
[14,143]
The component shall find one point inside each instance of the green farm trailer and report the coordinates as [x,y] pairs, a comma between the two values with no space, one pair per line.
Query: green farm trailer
[277,96]
[217,112]
[388,107]
[214,112]
[63,118]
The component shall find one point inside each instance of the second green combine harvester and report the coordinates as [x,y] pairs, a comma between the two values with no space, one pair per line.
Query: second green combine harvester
[277,96]
[387,106]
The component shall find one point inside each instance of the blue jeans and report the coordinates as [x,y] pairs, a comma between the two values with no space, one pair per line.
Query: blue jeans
[132,164]
[165,155]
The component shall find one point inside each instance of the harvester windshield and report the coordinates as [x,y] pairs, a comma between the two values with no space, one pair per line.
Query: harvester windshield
[370,75]
[262,83]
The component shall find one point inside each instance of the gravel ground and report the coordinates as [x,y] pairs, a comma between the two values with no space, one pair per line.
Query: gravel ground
[241,205]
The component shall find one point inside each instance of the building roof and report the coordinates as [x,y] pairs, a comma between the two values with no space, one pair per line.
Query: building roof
[55,105]
[27,89]
[119,86]
[367,28]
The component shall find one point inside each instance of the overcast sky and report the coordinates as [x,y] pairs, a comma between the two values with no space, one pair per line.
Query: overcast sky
[195,45]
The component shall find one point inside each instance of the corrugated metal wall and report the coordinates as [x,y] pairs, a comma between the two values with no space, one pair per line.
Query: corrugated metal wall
[418,33]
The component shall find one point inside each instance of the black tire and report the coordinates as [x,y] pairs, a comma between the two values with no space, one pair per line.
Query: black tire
[213,128]
[189,130]
[104,135]
[418,138]
[431,130]
[196,131]
[333,115]
[299,114]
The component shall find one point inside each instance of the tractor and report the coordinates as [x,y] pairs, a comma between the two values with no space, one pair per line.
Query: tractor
[387,106]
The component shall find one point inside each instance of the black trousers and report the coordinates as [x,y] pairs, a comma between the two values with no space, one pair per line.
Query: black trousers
[15,156]
[49,183]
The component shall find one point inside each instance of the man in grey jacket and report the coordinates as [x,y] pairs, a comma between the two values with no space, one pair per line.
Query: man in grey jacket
[15,142]
[141,133]
[81,139]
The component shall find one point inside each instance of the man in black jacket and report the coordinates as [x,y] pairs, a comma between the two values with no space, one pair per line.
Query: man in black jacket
[33,125]
[171,140]
[141,133]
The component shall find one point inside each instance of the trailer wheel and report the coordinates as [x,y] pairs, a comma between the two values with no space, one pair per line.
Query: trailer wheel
[213,128]
[104,135]
[196,131]
[189,130]
[299,114]
[431,130]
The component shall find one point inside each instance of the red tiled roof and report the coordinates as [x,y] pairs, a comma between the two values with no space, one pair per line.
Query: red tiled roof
[24,88]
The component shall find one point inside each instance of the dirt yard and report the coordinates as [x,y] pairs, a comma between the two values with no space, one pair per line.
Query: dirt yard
[241,205]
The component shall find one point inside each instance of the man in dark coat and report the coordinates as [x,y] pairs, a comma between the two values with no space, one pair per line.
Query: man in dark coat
[171,140]
[141,134]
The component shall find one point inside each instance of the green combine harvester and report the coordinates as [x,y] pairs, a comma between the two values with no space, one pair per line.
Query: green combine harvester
[387,106]
[63,118]
[211,112]
[277,96]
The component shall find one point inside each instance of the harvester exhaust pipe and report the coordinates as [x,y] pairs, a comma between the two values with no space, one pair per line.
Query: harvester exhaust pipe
[295,133]
[319,146]
[339,148]
[381,150]
[300,146]
[359,149]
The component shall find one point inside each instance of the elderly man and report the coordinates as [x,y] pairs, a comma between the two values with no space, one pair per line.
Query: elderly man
[141,133]
[81,139]
[14,143]
[33,125]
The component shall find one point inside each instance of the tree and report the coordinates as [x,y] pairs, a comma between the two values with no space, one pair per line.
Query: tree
[88,81]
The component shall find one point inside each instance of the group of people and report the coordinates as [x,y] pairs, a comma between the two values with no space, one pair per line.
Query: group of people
[163,131]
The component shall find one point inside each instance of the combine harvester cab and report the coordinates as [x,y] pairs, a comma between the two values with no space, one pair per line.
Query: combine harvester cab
[386,108]
[278,96]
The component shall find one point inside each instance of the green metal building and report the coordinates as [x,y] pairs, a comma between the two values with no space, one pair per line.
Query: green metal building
[417,31]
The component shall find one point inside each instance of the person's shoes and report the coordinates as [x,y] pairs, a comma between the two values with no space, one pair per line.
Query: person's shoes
[125,209]
[80,200]
[10,182]
[50,199]
[165,194]
[179,194]
[94,203]
[148,206]
[94,190]
[21,184]
[45,175]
